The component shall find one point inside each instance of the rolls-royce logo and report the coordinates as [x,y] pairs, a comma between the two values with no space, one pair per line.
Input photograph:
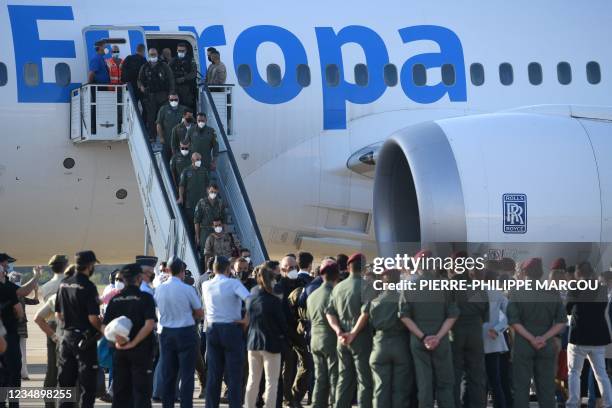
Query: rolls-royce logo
[515,213]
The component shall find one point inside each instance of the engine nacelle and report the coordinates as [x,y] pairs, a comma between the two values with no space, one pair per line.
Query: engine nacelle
[536,181]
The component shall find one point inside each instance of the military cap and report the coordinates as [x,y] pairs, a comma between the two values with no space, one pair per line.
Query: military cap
[423,253]
[144,260]
[355,257]
[58,259]
[6,257]
[130,270]
[558,263]
[329,267]
[86,257]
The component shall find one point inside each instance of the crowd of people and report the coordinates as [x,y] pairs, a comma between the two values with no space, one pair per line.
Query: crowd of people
[290,333]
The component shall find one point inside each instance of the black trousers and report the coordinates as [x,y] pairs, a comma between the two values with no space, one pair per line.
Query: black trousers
[51,374]
[11,365]
[133,377]
[76,364]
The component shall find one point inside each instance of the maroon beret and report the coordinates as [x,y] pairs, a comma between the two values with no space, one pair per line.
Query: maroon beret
[558,263]
[356,256]
[328,267]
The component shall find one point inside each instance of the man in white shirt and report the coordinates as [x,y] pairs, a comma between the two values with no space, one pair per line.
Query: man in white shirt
[147,263]
[223,297]
[178,306]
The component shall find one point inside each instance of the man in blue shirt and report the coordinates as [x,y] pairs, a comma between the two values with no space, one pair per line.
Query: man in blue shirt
[98,72]
[225,344]
[178,305]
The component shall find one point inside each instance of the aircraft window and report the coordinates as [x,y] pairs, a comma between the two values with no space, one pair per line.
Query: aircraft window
[506,75]
[244,75]
[477,74]
[564,73]
[62,74]
[273,73]
[303,75]
[361,74]
[534,70]
[332,75]
[448,74]
[3,74]
[593,73]
[419,74]
[32,77]
[390,74]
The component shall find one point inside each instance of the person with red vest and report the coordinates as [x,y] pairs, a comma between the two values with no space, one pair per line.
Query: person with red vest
[114,66]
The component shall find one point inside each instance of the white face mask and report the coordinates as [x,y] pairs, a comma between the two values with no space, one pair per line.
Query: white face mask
[184,152]
[212,196]
[153,59]
[248,259]
[218,230]
[292,274]
[198,163]
[119,285]
[174,104]
[201,124]
[181,54]
[115,55]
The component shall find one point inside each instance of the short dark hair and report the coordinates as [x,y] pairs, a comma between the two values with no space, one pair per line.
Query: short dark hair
[342,260]
[245,250]
[213,185]
[291,255]
[140,47]
[188,110]
[201,114]
[272,264]
[217,219]
[58,267]
[181,44]
[304,259]
[220,264]
[211,49]
[585,269]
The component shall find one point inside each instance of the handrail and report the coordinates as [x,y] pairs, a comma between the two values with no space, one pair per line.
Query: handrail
[235,169]
[151,154]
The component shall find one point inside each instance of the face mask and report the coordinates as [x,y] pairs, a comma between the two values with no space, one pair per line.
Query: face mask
[201,124]
[292,274]
[218,230]
[248,259]
[212,196]
[198,163]
[115,55]
[181,54]
[153,59]
[184,152]
[174,104]
[119,285]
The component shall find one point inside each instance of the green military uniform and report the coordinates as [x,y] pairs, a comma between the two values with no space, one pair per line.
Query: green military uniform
[348,300]
[206,212]
[168,117]
[219,245]
[390,361]
[429,309]
[204,141]
[537,311]
[468,346]
[180,133]
[194,181]
[323,347]
[178,163]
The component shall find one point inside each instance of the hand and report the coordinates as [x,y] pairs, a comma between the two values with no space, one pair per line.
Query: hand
[431,342]
[124,346]
[492,334]
[121,340]
[537,342]
[142,89]
[348,338]
[55,338]
[37,270]
[213,166]
[179,200]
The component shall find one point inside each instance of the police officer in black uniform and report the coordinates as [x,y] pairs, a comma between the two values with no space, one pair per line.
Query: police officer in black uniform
[78,307]
[185,69]
[156,82]
[133,360]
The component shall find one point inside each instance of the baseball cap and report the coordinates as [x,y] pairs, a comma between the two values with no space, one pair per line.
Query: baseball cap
[144,260]
[6,257]
[86,257]
[131,270]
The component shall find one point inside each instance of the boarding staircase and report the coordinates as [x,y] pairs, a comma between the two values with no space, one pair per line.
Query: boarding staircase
[103,113]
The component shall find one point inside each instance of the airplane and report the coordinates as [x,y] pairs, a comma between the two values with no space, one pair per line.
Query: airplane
[486,107]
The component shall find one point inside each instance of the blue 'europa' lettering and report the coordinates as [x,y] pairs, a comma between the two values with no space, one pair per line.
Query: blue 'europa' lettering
[29,48]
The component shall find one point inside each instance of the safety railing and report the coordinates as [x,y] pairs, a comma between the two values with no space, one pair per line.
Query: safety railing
[230,180]
[97,113]
[222,97]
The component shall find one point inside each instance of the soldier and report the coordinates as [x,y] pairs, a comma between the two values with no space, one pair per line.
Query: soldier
[467,342]
[184,69]
[207,210]
[133,357]
[156,82]
[219,243]
[323,339]
[344,315]
[168,117]
[390,360]
[429,315]
[536,317]
[192,186]
[182,131]
[180,161]
[77,306]
[204,141]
